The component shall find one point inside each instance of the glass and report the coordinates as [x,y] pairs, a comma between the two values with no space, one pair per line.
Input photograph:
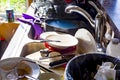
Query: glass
[41,8]
[19,71]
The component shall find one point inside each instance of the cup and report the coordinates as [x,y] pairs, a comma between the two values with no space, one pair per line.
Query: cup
[10,15]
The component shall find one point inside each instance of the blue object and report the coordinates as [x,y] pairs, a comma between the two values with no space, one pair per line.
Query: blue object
[62,24]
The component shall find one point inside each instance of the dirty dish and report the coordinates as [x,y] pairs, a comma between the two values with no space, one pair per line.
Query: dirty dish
[18,66]
[45,34]
[66,41]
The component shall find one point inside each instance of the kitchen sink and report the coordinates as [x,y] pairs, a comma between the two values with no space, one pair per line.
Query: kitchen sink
[78,24]
[31,47]
[27,45]
[31,33]
[24,43]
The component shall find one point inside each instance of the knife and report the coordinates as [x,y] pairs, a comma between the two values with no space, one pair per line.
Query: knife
[61,62]
[57,63]
[62,55]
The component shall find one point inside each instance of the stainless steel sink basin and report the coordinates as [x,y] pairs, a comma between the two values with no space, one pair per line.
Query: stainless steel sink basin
[31,47]
[79,24]
[31,33]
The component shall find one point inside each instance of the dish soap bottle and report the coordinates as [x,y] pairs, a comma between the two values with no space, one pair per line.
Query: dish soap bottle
[113,48]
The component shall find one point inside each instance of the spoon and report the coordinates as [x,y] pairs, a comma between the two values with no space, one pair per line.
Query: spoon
[27,76]
[46,40]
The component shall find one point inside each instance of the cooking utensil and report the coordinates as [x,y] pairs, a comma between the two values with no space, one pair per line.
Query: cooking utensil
[57,56]
[27,76]
[46,40]
[45,52]
[64,61]
[58,63]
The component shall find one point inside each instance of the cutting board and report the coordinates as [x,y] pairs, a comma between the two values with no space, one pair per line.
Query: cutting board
[45,63]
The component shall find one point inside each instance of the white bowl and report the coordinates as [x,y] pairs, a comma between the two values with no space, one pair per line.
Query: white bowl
[66,41]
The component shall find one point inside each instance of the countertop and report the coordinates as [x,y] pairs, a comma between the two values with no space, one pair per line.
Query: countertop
[112,7]
[20,37]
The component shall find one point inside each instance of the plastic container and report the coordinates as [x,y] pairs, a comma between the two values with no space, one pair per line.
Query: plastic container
[84,67]
[113,48]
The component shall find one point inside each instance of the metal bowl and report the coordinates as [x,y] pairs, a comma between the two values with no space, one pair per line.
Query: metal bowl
[23,65]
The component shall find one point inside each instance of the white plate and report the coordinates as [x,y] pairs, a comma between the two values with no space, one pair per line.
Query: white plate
[66,40]
[45,34]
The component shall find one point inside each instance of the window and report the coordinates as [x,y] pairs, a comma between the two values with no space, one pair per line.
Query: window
[19,6]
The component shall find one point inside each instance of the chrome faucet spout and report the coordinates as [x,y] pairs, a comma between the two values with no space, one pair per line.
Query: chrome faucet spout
[73,8]
[98,23]
[99,27]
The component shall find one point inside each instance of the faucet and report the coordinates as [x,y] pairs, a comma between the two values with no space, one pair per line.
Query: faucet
[97,24]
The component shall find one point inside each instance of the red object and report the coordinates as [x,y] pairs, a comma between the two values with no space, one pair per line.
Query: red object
[65,65]
[62,51]
[68,1]
[1,38]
